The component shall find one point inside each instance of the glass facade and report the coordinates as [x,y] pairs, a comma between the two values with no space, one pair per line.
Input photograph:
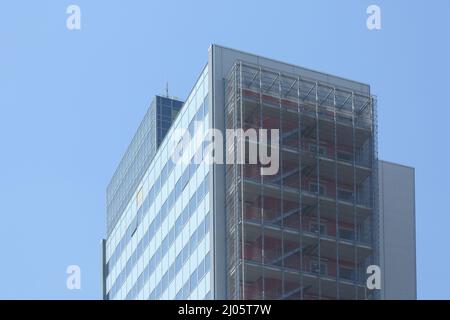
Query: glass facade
[152,130]
[166,111]
[160,246]
[309,231]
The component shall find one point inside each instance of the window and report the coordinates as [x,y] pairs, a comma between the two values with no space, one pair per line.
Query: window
[185,178]
[178,187]
[322,150]
[179,262]
[193,280]
[207,262]
[345,195]
[192,205]
[201,270]
[193,241]
[346,273]
[186,290]
[318,267]
[201,230]
[205,106]
[316,228]
[165,244]
[313,188]
[346,234]
[166,110]
[164,282]
[164,171]
[179,224]
[134,226]
[139,198]
[199,116]
[186,252]
[185,215]
[191,129]
[344,156]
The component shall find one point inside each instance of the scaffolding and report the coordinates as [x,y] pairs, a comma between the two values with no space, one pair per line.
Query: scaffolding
[311,230]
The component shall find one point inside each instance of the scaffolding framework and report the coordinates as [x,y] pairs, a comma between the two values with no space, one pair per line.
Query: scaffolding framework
[311,230]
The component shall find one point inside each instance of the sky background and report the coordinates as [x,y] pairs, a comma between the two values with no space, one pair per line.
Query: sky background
[70,102]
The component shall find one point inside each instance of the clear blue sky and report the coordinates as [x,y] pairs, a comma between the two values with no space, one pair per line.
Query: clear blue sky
[70,102]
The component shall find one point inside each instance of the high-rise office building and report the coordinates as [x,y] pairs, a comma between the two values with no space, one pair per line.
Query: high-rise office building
[201,230]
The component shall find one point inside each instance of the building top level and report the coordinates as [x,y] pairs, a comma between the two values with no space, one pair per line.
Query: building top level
[228,57]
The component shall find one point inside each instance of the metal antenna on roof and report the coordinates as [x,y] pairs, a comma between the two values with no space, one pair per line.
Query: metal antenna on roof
[167,89]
